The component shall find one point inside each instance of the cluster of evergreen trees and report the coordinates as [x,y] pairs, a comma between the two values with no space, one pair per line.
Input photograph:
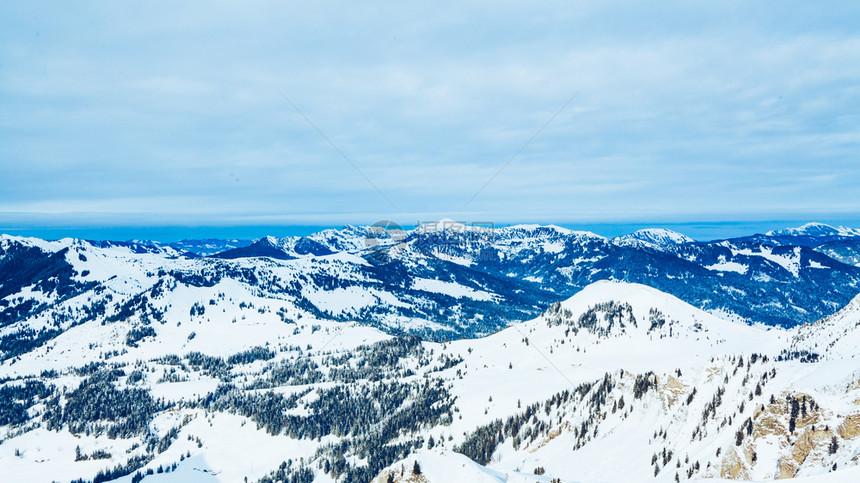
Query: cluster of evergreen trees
[16,399]
[251,355]
[368,408]
[287,473]
[599,319]
[527,426]
[798,355]
[24,340]
[97,406]
[50,273]
[137,334]
[367,417]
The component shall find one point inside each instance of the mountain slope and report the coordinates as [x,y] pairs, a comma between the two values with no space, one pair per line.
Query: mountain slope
[620,382]
[684,395]
[846,251]
[834,337]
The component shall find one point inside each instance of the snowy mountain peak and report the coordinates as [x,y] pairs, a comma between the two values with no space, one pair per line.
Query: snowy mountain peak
[639,314]
[655,237]
[448,225]
[816,229]
[635,294]
[547,230]
[533,227]
[136,241]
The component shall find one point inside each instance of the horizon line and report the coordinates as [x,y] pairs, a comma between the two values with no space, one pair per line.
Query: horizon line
[703,231]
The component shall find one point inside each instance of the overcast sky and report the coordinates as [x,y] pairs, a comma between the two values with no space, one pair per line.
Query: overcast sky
[145,113]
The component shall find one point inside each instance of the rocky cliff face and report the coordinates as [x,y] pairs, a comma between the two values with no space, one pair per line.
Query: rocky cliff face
[802,443]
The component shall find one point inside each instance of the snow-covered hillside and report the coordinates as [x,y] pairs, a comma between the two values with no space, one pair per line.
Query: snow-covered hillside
[846,251]
[620,382]
[836,337]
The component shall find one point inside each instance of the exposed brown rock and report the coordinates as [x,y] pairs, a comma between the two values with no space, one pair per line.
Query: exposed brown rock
[672,391]
[850,427]
[734,467]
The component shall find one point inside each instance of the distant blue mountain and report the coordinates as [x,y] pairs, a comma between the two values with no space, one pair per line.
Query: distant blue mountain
[259,248]
[279,248]
[809,235]
[209,246]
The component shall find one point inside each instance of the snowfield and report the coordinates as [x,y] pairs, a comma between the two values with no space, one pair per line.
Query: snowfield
[500,376]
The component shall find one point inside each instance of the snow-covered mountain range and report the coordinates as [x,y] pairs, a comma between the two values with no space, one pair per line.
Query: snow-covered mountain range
[437,283]
[576,357]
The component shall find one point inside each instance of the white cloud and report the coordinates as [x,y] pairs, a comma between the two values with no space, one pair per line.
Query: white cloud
[679,109]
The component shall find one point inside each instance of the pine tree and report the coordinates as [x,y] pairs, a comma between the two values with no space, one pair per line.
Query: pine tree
[795,410]
[833,447]
[416,468]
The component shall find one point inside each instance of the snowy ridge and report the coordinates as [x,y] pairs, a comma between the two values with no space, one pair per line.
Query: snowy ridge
[650,312]
[654,237]
[631,325]
[816,229]
[833,337]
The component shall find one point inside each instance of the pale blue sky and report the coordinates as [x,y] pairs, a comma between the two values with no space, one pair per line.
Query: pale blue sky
[134,114]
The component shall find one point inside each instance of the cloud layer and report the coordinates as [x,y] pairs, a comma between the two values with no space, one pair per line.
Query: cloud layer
[158,114]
